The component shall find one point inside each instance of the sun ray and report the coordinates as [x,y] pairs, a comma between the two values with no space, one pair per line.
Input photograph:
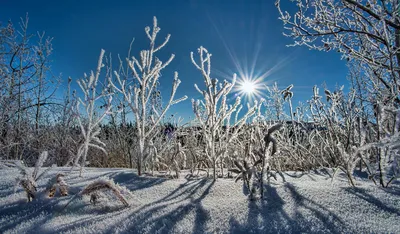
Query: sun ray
[252,76]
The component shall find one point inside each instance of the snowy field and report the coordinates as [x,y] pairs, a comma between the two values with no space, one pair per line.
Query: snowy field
[306,203]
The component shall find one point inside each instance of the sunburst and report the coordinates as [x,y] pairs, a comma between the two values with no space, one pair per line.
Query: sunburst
[252,77]
[249,87]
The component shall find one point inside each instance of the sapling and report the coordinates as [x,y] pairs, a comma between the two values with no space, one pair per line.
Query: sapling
[146,74]
[287,95]
[89,126]
[214,113]
[246,172]
[267,148]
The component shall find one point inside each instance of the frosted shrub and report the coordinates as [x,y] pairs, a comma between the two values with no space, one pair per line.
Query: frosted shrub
[103,185]
[59,183]
[138,93]
[214,113]
[246,172]
[388,144]
[28,179]
[88,119]
[362,31]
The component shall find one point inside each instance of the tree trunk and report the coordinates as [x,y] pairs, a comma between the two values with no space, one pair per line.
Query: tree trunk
[262,178]
[351,178]
[85,151]
[139,166]
[292,118]
[214,169]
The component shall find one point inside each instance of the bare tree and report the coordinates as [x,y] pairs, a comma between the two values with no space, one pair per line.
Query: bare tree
[146,73]
[90,128]
[27,89]
[214,113]
[274,102]
[366,31]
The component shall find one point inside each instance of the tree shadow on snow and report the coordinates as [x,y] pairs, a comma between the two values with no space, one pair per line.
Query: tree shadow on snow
[43,209]
[161,216]
[394,190]
[6,190]
[363,194]
[269,216]
[134,182]
[29,215]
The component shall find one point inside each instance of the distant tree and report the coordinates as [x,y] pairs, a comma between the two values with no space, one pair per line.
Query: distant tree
[274,102]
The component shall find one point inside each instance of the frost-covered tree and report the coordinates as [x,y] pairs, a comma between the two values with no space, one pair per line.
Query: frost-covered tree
[87,117]
[256,167]
[274,102]
[214,113]
[388,144]
[287,96]
[138,92]
[367,31]
[27,90]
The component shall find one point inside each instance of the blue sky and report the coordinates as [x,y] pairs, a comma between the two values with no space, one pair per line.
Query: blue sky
[244,32]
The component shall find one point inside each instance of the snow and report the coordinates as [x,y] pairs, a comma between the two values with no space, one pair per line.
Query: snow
[307,202]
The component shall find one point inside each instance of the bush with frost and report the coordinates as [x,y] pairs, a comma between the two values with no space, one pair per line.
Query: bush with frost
[103,187]
[28,179]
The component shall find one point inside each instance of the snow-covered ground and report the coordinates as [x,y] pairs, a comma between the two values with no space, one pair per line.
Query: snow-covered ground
[306,203]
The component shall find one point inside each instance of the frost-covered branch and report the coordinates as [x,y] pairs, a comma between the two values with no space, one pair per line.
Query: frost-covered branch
[365,31]
[146,72]
[88,119]
[216,118]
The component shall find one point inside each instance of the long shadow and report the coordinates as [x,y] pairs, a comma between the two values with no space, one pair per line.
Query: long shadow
[269,216]
[322,172]
[330,221]
[191,186]
[82,222]
[392,190]
[363,194]
[179,213]
[21,213]
[12,208]
[6,191]
[265,216]
[295,175]
[135,182]
[145,218]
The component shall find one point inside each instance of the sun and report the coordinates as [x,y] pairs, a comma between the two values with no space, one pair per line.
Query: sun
[248,87]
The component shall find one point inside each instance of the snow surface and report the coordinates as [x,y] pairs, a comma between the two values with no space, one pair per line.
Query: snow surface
[306,203]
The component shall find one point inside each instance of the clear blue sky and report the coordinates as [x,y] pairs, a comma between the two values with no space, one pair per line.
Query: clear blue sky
[234,31]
